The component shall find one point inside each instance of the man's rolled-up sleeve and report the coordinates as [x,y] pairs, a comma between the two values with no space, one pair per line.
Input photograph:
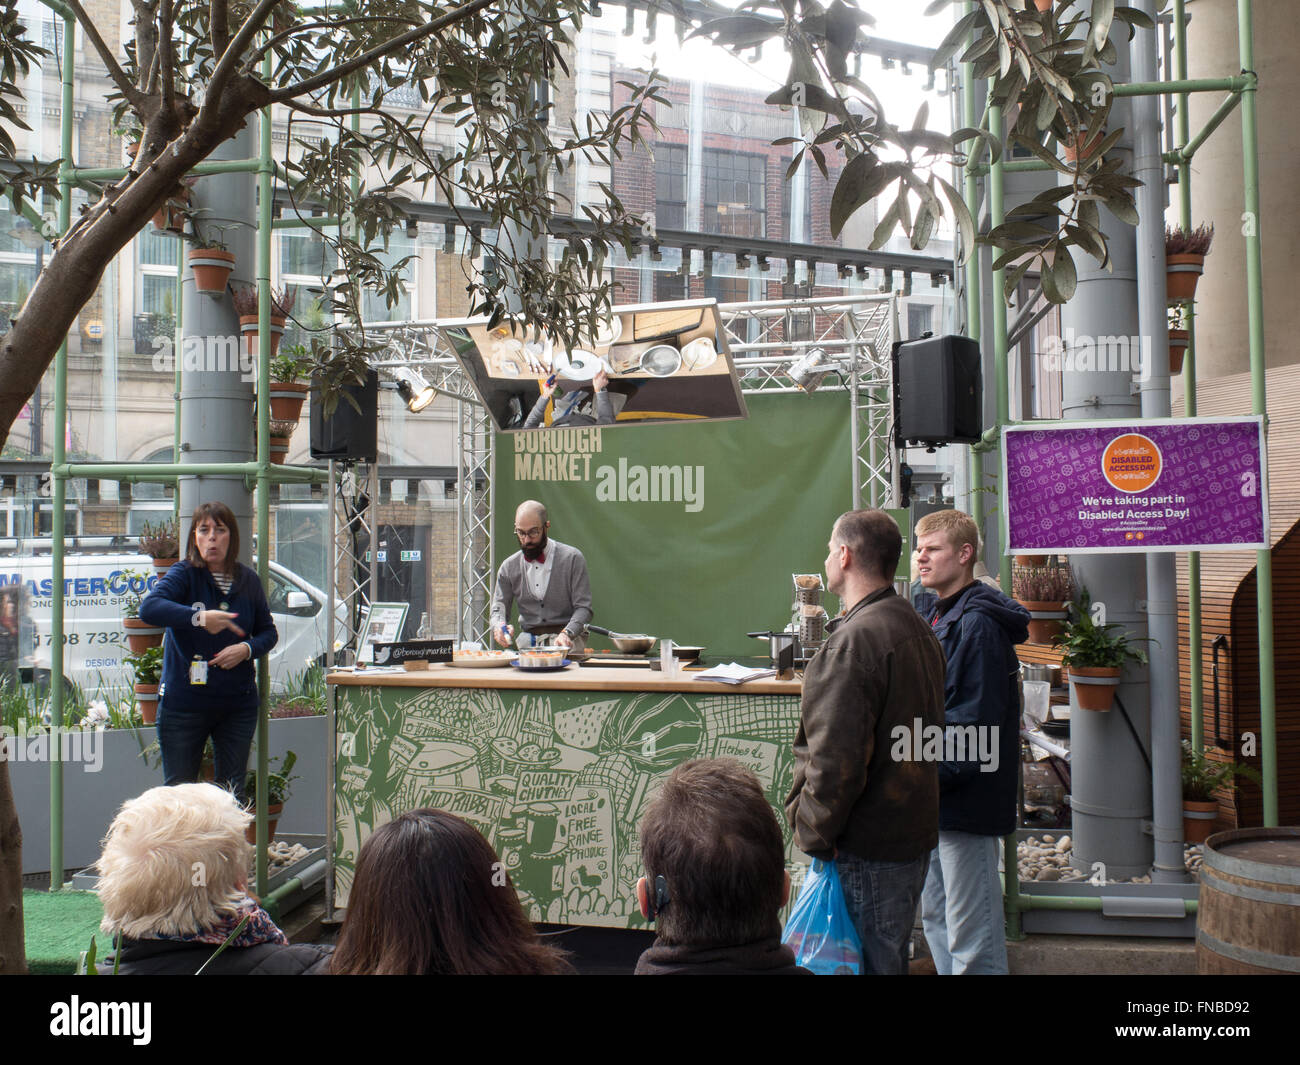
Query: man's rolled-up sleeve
[580,597]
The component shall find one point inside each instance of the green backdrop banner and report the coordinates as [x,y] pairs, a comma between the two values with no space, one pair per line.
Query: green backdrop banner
[690,531]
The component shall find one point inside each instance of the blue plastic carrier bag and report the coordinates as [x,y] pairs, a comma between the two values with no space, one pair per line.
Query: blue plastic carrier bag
[820,930]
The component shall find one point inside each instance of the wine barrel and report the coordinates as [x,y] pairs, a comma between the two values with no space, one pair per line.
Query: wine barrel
[1248,918]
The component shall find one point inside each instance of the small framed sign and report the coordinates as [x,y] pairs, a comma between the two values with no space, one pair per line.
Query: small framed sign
[380,623]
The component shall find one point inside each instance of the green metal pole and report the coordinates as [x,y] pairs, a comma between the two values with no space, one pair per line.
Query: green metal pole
[265,171]
[60,496]
[1259,404]
[111,173]
[996,216]
[1237,83]
[1191,147]
[974,471]
[1195,684]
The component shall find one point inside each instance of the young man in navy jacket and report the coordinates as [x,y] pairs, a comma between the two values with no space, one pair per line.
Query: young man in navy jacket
[978,628]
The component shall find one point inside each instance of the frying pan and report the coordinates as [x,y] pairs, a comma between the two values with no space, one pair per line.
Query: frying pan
[628,642]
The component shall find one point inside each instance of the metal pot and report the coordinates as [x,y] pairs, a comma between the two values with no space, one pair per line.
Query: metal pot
[629,643]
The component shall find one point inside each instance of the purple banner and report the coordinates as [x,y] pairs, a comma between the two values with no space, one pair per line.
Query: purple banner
[1166,485]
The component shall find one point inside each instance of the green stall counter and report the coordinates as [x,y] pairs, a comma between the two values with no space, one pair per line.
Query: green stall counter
[555,769]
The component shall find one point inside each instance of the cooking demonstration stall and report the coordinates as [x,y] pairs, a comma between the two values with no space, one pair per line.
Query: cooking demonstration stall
[691,530]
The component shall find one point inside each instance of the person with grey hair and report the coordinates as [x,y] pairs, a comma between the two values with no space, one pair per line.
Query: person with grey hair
[173,880]
[549,581]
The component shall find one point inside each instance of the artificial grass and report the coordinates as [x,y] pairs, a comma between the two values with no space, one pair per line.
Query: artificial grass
[58,926]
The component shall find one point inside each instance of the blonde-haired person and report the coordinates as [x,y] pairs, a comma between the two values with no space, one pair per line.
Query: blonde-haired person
[173,881]
[978,628]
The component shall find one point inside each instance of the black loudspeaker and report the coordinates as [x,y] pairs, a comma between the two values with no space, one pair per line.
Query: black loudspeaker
[347,434]
[938,396]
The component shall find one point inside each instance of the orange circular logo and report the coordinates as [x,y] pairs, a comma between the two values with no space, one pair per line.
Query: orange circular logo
[1131,463]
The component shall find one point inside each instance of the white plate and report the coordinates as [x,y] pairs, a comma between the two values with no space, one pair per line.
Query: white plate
[577,365]
[482,661]
[609,332]
[699,354]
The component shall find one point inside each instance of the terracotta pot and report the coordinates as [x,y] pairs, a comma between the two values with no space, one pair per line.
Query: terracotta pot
[248,326]
[272,819]
[1093,687]
[1179,340]
[1181,272]
[1198,820]
[211,268]
[1072,150]
[171,215]
[162,565]
[287,399]
[140,635]
[279,449]
[146,697]
[1030,561]
[1046,619]
[1043,5]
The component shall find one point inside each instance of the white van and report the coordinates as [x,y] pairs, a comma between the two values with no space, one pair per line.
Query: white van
[95,587]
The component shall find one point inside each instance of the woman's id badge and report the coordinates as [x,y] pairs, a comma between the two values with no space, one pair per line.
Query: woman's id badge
[198,671]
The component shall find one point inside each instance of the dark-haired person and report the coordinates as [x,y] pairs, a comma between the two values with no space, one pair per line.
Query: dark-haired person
[430,897]
[715,878]
[880,669]
[218,622]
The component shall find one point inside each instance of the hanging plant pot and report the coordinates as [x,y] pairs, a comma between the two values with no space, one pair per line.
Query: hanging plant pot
[1198,820]
[162,565]
[287,399]
[146,697]
[1179,341]
[273,811]
[1093,687]
[1030,561]
[1072,150]
[1043,5]
[170,217]
[211,268]
[279,449]
[140,635]
[1181,273]
[1046,620]
[248,326]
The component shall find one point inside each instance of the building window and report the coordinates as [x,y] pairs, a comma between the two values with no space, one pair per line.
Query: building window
[670,186]
[919,317]
[735,194]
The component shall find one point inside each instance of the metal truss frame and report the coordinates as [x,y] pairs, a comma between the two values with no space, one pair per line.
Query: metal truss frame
[766,338]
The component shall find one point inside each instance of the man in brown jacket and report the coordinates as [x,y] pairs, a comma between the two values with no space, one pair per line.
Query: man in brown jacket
[861,794]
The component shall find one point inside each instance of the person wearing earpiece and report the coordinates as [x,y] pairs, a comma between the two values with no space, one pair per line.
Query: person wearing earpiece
[715,878]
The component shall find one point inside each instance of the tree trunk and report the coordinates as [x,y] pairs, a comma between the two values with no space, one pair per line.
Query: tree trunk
[13,959]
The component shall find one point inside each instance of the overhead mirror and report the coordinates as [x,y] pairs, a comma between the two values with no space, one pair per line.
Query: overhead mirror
[650,363]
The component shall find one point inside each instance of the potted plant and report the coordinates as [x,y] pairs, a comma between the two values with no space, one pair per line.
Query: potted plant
[281,432]
[1201,779]
[171,216]
[1185,260]
[147,666]
[279,783]
[1044,591]
[1094,655]
[140,635]
[211,259]
[245,300]
[161,543]
[1180,337]
[288,390]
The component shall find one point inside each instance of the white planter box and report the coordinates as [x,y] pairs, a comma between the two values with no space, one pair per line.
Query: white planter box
[92,796]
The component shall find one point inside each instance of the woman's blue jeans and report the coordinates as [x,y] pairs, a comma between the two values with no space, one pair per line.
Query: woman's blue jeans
[183,731]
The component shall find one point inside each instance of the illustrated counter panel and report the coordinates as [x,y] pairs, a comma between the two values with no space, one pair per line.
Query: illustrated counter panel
[556,779]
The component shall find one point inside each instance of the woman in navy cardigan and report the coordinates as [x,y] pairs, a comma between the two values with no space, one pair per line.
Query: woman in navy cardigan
[218,622]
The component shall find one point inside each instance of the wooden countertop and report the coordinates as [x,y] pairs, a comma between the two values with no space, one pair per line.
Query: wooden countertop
[575,678]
